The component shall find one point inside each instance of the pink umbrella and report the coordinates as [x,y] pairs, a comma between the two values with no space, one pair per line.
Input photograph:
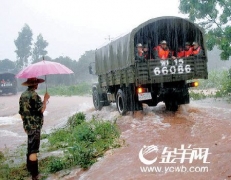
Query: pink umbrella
[43,68]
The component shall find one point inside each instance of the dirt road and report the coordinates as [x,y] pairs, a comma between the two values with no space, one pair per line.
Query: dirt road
[201,126]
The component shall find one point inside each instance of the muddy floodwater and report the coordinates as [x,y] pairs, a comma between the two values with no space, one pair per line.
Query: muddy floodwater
[203,127]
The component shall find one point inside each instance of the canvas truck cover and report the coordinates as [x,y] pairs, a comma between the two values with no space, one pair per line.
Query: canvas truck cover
[120,53]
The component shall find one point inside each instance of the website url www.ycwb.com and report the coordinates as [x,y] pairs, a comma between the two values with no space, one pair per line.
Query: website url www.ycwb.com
[172,169]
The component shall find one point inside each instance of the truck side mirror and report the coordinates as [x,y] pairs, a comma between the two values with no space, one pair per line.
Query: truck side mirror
[90,69]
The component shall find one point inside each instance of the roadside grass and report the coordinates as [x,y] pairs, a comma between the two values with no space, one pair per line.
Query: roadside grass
[79,89]
[219,80]
[82,143]
[197,95]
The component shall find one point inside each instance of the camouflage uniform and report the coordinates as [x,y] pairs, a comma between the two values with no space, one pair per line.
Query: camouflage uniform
[30,106]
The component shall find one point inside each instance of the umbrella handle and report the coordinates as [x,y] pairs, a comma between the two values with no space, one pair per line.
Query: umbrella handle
[46,82]
[46,86]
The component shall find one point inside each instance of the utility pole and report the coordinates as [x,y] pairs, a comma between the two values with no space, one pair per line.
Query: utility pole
[109,38]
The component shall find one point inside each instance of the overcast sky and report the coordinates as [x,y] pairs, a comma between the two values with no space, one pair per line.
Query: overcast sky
[72,27]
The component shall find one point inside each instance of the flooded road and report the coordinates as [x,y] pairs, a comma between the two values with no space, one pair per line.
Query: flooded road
[56,114]
[200,126]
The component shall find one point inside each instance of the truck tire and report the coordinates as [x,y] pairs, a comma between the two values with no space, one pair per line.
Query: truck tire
[97,100]
[121,102]
[171,106]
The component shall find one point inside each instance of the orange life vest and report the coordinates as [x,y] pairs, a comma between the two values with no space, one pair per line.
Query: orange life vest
[180,54]
[188,52]
[196,51]
[163,54]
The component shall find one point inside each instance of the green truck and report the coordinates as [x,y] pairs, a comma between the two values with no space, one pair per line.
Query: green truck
[130,82]
[8,83]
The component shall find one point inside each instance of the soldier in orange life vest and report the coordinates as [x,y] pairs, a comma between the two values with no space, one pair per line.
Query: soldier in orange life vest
[180,52]
[196,50]
[162,51]
[187,50]
[139,54]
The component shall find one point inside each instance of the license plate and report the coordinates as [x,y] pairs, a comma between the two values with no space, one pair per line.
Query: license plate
[144,96]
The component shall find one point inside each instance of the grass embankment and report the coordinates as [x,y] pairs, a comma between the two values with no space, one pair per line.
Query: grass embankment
[80,89]
[219,80]
[80,141]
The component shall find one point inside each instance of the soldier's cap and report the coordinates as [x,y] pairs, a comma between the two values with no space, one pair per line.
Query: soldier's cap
[163,42]
[187,44]
[139,45]
[194,43]
[32,81]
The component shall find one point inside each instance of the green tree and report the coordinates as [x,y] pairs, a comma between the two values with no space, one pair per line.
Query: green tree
[82,70]
[214,16]
[39,48]
[23,44]
[65,79]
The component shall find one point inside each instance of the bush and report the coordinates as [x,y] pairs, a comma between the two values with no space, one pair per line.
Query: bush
[56,164]
[79,89]
[197,95]
[2,158]
[214,79]
[59,139]
[225,85]
[14,173]
[76,119]
[81,155]
[84,141]
[84,132]
[218,79]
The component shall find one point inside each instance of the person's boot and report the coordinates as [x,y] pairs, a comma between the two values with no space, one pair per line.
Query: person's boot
[27,163]
[34,170]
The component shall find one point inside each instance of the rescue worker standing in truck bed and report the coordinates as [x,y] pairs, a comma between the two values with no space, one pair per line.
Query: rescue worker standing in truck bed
[139,54]
[197,50]
[162,51]
[187,49]
[180,52]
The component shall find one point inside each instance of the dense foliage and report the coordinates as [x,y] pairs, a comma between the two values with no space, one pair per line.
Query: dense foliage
[214,16]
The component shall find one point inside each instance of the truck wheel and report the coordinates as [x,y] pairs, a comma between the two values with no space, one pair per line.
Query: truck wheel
[171,106]
[96,100]
[121,102]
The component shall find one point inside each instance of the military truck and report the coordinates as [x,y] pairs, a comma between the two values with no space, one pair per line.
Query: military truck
[8,83]
[130,82]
